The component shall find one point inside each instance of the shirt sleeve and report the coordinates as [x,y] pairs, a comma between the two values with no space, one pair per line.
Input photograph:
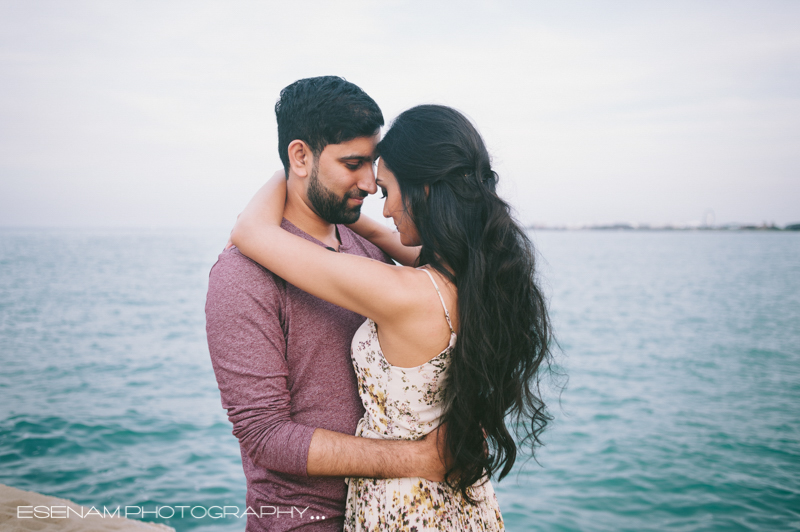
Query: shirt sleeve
[247,345]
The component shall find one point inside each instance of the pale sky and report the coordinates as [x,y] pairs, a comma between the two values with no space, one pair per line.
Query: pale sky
[160,113]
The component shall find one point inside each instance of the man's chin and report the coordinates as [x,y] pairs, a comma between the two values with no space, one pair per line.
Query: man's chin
[352,216]
[349,216]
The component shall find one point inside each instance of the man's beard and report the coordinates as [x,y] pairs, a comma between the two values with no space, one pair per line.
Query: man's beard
[328,205]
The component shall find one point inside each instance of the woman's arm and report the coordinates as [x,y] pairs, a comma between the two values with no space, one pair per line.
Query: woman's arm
[368,287]
[386,239]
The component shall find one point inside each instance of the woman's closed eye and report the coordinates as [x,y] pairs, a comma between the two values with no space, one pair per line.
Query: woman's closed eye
[383,193]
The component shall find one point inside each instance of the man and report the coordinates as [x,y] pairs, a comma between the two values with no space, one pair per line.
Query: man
[282,356]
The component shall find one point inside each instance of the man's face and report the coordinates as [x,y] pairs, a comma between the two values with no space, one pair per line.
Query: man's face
[343,175]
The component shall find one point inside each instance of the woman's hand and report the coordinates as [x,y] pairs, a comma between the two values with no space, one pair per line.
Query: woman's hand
[268,203]
[266,208]
[229,243]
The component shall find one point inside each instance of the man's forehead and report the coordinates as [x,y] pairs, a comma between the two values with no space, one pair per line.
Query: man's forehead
[357,148]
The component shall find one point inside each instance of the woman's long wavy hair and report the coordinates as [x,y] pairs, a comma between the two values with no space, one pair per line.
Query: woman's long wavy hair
[492,384]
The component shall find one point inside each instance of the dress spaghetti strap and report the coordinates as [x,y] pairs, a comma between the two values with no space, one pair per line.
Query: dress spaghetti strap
[436,286]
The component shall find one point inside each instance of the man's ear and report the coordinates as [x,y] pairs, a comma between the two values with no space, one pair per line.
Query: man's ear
[301,158]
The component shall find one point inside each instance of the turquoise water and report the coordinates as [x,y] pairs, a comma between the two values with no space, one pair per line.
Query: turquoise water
[681,411]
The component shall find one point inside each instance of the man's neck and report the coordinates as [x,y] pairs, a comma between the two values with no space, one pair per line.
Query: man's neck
[307,220]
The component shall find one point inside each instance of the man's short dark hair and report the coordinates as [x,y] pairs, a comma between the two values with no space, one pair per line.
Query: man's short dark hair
[321,111]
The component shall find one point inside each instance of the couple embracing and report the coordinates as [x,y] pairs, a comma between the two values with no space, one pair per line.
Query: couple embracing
[369,395]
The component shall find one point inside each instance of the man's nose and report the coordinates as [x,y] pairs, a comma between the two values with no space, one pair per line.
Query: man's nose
[366,180]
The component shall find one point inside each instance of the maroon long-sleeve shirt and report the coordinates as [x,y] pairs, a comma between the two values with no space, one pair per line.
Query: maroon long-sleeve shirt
[282,362]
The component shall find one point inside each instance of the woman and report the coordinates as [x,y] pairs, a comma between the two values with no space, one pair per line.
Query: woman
[458,339]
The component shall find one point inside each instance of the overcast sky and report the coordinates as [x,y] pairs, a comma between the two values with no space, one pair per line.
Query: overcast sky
[160,113]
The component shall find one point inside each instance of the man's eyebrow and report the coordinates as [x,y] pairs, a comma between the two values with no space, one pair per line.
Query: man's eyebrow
[355,157]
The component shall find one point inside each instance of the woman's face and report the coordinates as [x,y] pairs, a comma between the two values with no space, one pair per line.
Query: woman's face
[393,206]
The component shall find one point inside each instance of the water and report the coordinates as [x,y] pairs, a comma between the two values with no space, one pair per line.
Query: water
[682,349]
[107,392]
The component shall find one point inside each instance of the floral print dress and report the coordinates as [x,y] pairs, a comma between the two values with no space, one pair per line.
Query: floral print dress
[406,403]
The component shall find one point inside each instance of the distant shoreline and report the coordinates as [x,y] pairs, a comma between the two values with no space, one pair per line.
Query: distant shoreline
[643,227]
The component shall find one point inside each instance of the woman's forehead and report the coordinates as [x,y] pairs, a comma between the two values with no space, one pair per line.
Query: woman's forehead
[383,173]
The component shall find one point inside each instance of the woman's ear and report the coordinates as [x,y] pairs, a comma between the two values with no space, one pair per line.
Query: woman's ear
[301,158]
[427,190]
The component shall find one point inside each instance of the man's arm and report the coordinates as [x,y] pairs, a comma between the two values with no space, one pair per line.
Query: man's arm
[247,348]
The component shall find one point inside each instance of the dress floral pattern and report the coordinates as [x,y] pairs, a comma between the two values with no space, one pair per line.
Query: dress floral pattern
[406,403]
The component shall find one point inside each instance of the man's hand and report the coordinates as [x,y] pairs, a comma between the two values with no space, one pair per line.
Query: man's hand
[435,459]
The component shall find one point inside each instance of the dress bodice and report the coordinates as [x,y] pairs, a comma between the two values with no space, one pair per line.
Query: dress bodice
[400,403]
